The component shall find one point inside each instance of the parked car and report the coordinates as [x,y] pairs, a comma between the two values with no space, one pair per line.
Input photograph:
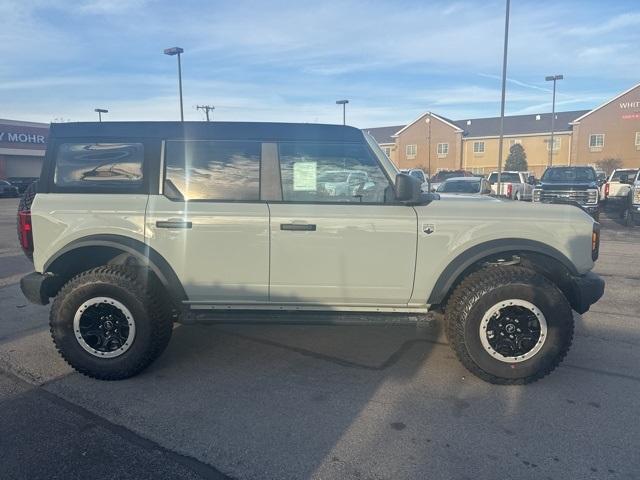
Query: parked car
[577,185]
[631,214]
[442,175]
[8,190]
[420,175]
[469,187]
[21,183]
[616,190]
[513,185]
[254,236]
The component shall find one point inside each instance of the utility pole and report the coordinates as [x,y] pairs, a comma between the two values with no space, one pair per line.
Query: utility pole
[206,109]
[553,78]
[504,89]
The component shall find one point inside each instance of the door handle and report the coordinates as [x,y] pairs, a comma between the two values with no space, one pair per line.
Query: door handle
[173,224]
[298,227]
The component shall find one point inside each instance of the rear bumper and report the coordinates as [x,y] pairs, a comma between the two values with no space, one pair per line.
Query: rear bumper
[36,287]
[588,289]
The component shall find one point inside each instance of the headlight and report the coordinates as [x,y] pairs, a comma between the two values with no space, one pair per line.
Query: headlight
[636,195]
[592,196]
[537,194]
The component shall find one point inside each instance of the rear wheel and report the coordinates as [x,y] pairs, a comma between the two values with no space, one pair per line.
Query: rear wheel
[509,325]
[110,324]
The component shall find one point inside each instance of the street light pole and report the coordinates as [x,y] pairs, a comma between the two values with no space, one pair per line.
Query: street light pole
[504,89]
[553,78]
[171,52]
[344,110]
[100,111]
[428,120]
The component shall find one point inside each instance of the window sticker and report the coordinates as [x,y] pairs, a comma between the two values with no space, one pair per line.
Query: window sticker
[305,176]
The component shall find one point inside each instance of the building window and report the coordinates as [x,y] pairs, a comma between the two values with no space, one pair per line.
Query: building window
[637,140]
[443,149]
[596,142]
[387,151]
[412,151]
[478,148]
[556,143]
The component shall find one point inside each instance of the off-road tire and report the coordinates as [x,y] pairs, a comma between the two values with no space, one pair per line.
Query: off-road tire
[484,288]
[25,204]
[143,298]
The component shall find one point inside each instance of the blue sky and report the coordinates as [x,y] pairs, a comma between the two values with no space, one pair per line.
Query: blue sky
[290,60]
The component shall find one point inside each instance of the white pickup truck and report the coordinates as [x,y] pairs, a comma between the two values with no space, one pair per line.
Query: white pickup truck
[616,189]
[514,185]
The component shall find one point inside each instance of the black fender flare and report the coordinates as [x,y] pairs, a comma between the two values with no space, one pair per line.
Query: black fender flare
[450,275]
[143,253]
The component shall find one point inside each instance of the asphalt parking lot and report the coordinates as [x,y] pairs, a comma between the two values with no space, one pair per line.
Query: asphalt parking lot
[296,402]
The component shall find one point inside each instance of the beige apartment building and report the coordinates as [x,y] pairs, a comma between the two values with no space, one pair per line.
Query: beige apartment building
[581,137]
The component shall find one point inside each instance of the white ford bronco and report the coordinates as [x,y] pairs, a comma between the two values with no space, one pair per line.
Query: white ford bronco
[135,226]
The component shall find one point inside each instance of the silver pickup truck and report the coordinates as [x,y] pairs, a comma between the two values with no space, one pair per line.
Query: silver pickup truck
[135,226]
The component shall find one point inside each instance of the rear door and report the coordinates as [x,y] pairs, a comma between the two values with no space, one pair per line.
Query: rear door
[209,222]
[332,247]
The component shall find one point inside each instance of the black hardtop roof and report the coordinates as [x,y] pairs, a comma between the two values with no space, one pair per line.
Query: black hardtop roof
[260,131]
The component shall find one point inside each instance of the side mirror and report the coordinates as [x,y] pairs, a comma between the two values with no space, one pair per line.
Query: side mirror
[407,188]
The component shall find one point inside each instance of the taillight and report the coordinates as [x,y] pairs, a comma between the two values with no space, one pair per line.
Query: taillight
[26,230]
[509,189]
[595,241]
[606,190]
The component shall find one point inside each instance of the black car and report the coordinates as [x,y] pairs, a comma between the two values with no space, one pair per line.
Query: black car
[8,190]
[21,183]
[573,185]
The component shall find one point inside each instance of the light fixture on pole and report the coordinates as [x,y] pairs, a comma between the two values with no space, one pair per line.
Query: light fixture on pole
[171,52]
[504,90]
[100,111]
[344,108]
[552,78]
[428,120]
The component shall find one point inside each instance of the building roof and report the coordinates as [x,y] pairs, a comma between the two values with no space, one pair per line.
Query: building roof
[490,127]
[449,123]
[383,134]
[519,124]
[258,131]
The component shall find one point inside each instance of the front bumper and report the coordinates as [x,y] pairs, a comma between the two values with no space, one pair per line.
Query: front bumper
[587,290]
[36,287]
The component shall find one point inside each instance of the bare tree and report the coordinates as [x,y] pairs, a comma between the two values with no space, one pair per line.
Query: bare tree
[609,164]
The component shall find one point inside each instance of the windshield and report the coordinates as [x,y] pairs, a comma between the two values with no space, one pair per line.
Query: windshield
[569,175]
[417,174]
[460,186]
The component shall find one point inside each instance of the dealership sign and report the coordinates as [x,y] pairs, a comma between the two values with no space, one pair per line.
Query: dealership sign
[23,137]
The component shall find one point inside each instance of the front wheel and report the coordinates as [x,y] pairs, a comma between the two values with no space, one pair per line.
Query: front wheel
[509,325]
[108,323]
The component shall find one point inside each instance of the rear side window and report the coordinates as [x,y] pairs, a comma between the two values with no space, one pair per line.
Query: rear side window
[99,166]
[214,170]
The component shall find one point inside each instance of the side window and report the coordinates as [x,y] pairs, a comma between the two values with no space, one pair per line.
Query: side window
[320,172]
[214,170]
[99,166]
